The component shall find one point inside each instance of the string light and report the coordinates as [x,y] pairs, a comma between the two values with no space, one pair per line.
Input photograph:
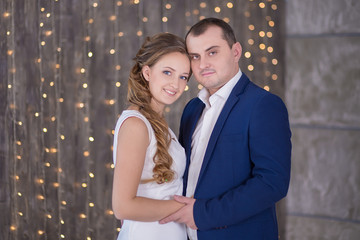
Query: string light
[52,89]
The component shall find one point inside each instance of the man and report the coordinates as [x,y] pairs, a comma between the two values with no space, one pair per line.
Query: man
[237,140]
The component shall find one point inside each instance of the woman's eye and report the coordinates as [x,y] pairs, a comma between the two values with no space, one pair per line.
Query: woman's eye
[167,73]
[184,78]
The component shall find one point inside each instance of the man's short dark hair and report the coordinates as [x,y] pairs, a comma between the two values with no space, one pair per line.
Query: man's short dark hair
[200,27]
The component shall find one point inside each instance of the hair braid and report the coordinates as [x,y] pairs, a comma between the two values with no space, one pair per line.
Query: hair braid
[139,95]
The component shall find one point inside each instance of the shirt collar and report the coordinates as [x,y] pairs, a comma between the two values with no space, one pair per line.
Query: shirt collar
[222,93]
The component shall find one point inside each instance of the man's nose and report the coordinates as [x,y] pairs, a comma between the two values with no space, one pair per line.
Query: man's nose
[203,63]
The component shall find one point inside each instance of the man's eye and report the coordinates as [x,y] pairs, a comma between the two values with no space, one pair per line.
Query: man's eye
[194,57]
[212,53]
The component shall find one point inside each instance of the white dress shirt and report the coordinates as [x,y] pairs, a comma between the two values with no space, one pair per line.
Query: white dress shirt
[213,106]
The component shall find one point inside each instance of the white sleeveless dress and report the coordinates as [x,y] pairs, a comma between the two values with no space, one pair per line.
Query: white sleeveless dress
[134,230]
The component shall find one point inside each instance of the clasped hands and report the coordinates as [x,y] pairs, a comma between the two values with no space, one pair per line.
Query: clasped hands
[183,215]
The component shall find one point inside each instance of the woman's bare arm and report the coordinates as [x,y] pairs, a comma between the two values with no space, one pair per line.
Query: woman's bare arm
[133,140]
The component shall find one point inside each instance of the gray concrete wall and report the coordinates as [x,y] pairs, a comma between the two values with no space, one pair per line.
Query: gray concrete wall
[323,98]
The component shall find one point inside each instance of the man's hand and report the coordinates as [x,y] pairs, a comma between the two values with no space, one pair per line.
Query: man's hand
[184,214]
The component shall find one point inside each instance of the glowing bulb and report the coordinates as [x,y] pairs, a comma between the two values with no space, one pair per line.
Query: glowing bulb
[91,139]
[90,54]
[91,204]
[91,175]
[164,19]
[84,185]
[118,84]
[40,197]
[230,5]
[247,54]
[109,212]
[168,6]
[227,20]
[250,68]
[81,215]
[217,9]
[203,4]
[267,88]
[112,51]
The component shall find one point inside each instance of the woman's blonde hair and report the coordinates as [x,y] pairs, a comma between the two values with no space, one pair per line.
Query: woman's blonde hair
[139,95]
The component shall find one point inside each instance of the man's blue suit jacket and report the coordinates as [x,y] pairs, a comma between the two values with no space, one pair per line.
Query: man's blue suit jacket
[246,168]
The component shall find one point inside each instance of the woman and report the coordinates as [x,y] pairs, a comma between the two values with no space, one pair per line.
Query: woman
[149,161]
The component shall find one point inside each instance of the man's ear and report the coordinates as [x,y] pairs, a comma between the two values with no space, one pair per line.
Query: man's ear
[237,50]
[146,72]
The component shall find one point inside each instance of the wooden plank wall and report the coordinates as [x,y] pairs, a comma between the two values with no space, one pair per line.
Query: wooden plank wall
[63,80]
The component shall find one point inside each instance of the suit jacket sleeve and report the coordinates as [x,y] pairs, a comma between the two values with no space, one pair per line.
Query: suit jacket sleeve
[269,149]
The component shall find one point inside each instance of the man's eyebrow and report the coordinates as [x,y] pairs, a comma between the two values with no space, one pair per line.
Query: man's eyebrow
[211,48]
[206,50]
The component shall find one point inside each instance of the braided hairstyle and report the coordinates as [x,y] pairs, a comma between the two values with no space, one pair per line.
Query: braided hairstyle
[139,95]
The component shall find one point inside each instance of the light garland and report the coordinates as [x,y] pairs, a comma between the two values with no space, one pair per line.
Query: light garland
[52,171]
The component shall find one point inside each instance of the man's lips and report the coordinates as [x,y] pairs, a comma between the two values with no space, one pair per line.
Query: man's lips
[207,73]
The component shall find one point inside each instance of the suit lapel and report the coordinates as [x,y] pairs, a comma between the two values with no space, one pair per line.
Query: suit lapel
[233,98]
